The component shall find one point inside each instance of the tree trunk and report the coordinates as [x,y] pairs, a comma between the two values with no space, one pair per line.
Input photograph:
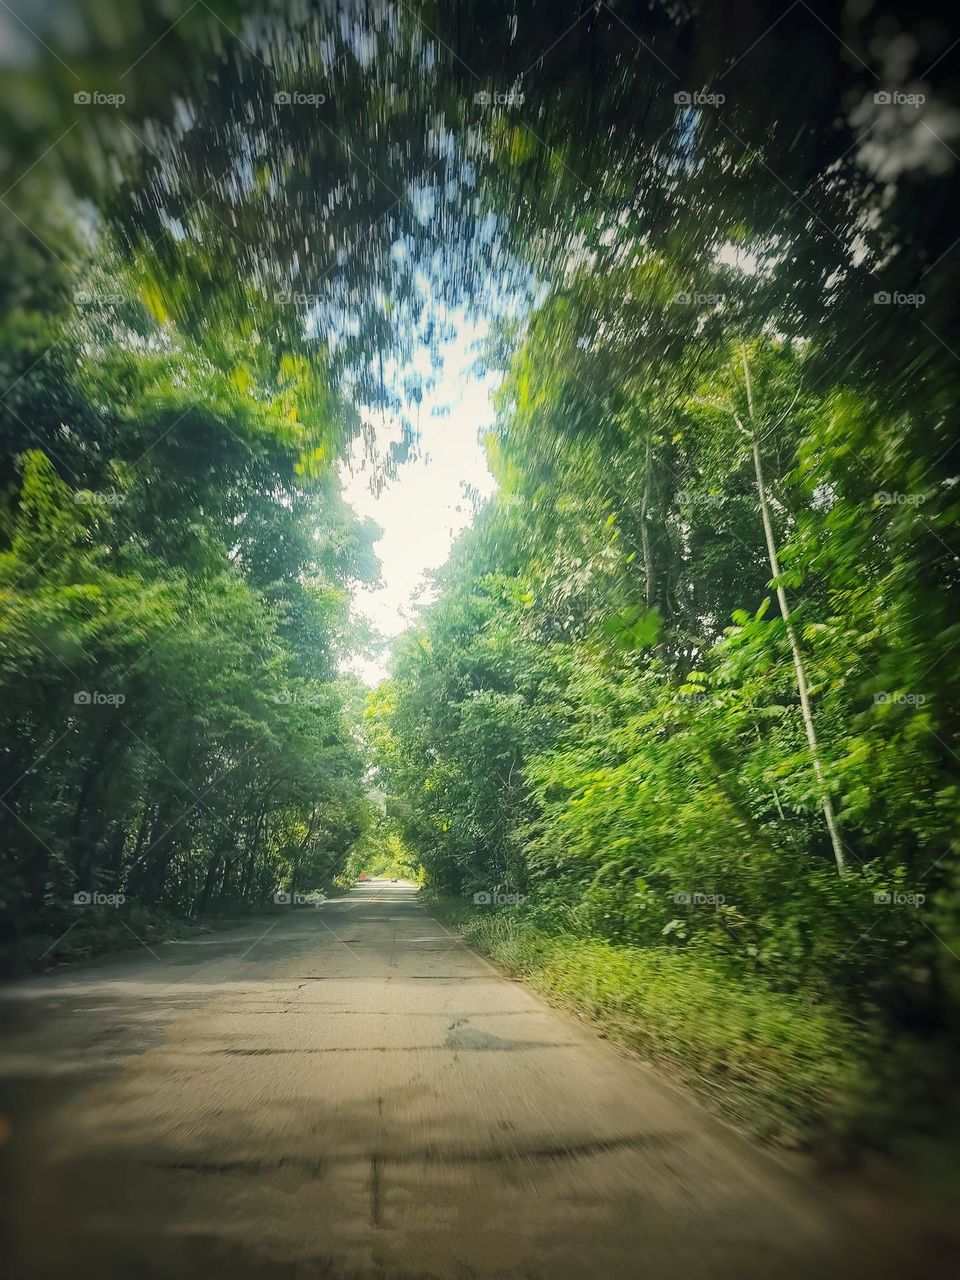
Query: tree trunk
[649,583]
[214,866]
[825,801]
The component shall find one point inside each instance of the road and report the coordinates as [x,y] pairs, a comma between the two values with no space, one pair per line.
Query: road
[351,1092]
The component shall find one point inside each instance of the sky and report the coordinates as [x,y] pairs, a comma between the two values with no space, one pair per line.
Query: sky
[425,507]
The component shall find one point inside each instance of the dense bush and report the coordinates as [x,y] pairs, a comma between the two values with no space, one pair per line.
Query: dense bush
[604,708]
[172,726]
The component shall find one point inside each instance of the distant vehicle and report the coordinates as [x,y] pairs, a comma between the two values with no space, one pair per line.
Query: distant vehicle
[363,875]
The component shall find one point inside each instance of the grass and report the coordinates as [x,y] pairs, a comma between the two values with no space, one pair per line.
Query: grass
[786,1068]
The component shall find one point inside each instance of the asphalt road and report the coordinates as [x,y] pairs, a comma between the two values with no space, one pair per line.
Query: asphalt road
[351,1092]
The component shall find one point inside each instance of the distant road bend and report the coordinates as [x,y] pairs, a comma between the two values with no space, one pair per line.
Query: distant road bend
[351,1092]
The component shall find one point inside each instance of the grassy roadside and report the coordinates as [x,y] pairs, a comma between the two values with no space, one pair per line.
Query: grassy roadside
[787,1069]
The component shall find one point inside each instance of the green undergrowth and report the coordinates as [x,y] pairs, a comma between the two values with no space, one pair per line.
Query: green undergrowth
[790,1070]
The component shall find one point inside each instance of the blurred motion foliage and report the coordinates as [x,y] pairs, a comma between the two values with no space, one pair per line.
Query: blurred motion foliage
[603,708]
[175,569]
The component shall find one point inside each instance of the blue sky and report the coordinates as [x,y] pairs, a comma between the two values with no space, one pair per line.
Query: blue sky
[425,507]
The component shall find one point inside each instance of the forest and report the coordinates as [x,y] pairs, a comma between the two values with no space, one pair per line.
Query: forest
[685,694]
[687,689]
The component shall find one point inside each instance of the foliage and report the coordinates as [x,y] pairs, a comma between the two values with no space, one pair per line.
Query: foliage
[604,708]
[602,711]
[175,565]
[381,852]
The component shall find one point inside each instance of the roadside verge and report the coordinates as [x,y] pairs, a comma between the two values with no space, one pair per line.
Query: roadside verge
[786,1068]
